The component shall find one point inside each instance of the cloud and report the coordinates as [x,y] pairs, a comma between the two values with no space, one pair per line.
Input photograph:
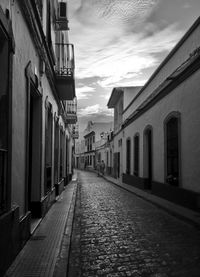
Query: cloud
[117,43]
[84,92]
[126,58]
[93,110]
[113,12]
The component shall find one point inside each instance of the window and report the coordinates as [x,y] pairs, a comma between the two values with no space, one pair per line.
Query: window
[172,152]
[136,155]
[4,90]
[128,156]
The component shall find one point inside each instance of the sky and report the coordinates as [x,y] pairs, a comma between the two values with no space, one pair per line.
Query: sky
[121,43]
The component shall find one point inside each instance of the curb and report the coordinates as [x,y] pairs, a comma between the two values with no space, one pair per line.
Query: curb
[61,266]
[178,211]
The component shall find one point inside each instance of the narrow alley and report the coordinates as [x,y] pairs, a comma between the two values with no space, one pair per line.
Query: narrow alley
[116,233]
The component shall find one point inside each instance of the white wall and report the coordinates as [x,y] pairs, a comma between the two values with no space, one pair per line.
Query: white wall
[129,95]
[184,99]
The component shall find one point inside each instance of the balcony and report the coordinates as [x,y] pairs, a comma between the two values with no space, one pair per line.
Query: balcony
[71,111]
[64,71]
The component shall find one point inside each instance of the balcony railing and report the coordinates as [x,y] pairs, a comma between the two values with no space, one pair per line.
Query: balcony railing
[65,71]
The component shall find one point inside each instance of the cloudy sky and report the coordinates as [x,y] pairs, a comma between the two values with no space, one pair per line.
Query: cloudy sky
[121,43]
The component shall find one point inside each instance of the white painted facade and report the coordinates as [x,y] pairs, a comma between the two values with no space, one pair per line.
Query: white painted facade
[172,90]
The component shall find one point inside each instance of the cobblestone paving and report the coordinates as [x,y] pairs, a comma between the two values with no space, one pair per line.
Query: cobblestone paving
[116,234]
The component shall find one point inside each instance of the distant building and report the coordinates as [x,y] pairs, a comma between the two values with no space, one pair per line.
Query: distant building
[86,148]
[37,116]
[156,136]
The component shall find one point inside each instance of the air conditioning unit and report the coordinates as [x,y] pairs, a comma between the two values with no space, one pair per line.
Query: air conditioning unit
[61,20]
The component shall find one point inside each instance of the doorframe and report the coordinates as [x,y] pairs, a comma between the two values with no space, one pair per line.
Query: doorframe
[31,81]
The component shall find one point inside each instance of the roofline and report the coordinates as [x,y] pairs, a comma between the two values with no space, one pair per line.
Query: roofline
[112,94]
[120,89]
[87,135]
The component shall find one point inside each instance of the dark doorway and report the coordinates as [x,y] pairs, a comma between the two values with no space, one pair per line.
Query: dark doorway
[136,155]
[148,156]
[30,162]
[149,138]
[128,156]
[118,164]
[34,150]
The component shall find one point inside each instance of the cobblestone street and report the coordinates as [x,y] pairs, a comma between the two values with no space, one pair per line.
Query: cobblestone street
[116,233]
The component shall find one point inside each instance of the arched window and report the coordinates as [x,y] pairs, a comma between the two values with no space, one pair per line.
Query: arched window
[128,156]
[172,151]
[136,155]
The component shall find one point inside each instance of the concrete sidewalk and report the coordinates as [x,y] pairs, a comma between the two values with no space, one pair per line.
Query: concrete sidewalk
[40,255]
[174,209]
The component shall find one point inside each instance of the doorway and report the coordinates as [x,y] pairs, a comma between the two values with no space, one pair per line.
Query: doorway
[34,132]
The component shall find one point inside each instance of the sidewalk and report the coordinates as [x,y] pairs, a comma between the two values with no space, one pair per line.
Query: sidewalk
[39,256]
[174,209]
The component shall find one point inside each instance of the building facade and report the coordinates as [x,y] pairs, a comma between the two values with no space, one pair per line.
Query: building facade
[156,136]
[88,150]
[37,116]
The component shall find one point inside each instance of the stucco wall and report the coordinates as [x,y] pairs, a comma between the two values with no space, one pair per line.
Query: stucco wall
[24,52]
[184,99]
[118,110]
[129,95]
